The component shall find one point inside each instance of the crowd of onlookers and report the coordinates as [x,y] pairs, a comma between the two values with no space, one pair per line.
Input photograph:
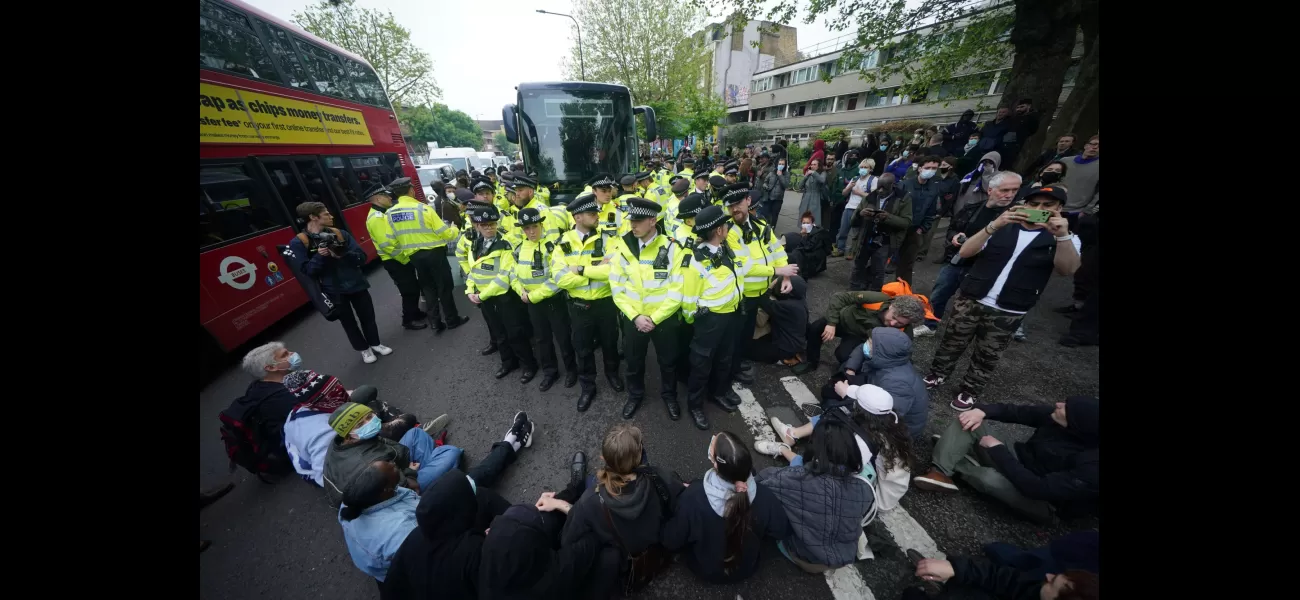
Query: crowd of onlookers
[423,526]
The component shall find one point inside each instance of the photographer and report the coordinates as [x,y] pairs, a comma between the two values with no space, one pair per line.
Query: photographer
[334,259]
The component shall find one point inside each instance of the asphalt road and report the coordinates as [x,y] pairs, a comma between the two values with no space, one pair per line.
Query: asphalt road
[283,541]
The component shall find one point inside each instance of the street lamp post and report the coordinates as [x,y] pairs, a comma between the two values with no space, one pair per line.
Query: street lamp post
[582,63]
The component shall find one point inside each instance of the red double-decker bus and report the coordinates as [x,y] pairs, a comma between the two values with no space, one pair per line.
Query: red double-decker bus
[284,118]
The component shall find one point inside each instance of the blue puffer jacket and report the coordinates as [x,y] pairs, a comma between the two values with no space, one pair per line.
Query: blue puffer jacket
[890,368]
[825,513]
[336,275]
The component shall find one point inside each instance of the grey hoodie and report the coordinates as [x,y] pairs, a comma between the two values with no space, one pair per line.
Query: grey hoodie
[974,186]
[890,368]
[718,490]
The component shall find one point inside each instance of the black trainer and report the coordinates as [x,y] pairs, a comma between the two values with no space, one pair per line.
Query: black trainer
[457,322]
[584,401]
[415,325]
[523,429]
[701,421]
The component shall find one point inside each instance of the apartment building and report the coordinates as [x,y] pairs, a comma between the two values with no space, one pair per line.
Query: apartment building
[734,57]
[796,102]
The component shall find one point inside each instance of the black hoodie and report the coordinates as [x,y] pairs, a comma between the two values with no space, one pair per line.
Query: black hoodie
[789,314]
[1058,464]
[636,511]
[440,559]
[266,404]
[520,561]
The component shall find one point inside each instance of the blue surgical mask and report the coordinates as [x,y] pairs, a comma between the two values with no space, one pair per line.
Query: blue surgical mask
[971,144]
[369,430]
[295,362]
[927,173]
[780,167]
[866,349]
[884,147]
[906,152]
[862,171]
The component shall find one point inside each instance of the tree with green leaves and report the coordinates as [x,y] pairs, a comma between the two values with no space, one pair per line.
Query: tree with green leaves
[945,49]
[645,45]
[503,145]
[742,134]
[450,128]
[405,70]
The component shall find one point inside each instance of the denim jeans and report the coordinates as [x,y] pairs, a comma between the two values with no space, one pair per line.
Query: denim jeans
[945,285]
[434,460]
[846,223]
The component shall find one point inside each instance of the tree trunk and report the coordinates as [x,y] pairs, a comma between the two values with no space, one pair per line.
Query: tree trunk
[1080,114]
[1043,37]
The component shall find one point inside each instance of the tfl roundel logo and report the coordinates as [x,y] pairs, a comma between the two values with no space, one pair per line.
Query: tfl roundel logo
[242,278]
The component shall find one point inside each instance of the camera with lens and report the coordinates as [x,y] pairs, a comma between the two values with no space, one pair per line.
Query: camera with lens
[327,239]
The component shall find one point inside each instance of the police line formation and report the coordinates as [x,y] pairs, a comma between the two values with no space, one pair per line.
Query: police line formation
[656,258]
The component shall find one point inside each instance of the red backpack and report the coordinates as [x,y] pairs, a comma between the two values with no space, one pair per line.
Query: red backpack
[248,446]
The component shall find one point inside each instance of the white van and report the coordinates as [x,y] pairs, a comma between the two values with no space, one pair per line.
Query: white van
[458,158]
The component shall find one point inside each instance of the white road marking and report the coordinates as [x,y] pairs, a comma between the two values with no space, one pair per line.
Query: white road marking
[754,415]
[908,533]
[847,584]
[800,392]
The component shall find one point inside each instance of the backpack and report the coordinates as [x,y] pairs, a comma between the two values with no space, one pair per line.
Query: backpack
[248,446]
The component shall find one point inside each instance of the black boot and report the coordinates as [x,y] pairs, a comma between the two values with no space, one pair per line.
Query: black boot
[570,379]
[701,421]
[529,374]
[506,369]
[415,325]
[584,401]
[614,380]
[674,409]
[454,323]
[439,327]
[722,402]
[630,407]
[743,377]
[491,348]
[578,470]
[548,381]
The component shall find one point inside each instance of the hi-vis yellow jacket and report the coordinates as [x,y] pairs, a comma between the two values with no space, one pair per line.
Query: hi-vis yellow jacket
[647,281]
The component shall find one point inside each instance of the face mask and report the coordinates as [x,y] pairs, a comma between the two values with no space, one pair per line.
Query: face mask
[866,349]
[927,173]
[295,361]
[807,227]
[780,167]
[1050,177]
[971,144]
[862,171]
[884,147]
[944,169]
[906,152]
[368,430]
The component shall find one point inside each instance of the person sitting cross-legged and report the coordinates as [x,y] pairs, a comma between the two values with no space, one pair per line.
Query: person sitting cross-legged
[1056,472]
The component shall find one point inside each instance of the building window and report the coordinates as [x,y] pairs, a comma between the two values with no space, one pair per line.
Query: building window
[805,75]
[999,84]
[871,60]
[762,85]
[821,106]
[885,97]
[782,80]
[798,110]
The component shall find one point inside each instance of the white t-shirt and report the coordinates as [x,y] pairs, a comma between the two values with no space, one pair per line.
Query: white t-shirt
[1026,237]
[307,438]
[864,186]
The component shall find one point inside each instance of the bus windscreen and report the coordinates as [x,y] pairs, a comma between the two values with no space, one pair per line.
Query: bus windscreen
[574,135]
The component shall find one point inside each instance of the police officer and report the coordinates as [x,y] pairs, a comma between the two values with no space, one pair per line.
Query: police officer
[396,262]
[711,299]
[580,266]
[702,184]
[423,237]
[488,286]
[760,255]
[628,191]
[645,278]
[505,179]
[678,189]
[686,239]
[610,218]
[532,280]
[688,167]
[717,187]
[483,196]
[524,188]
[731,173]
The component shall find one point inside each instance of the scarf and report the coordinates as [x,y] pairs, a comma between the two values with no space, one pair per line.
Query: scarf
[318,394]
[718,490]
[979,181]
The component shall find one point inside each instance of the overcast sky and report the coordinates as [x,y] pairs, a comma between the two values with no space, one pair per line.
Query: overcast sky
[476,70]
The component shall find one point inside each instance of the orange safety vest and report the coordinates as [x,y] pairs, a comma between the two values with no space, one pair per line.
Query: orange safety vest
[901,288]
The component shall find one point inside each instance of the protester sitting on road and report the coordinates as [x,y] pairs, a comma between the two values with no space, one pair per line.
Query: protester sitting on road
[849,318]
[809,246]
[824,499]
[1016,259]
[629,494]
[885,360]
[786,317]
[376,515]
[357,444]
[962,575]
[1074,550]
[1056,472]
[267,402]
[722,518]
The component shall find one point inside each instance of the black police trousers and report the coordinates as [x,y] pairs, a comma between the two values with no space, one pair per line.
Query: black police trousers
[745,333]
[408,287]
[593,323]
[685,331]
[712,349]
[551,324]
[635,346]
[510,330]
[436,281]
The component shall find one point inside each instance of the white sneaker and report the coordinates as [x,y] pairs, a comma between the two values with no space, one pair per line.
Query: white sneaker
[367,356]
[772,449]
[922,330]
[382,350]
[782,430]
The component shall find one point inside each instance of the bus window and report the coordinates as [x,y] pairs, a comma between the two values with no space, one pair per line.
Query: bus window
[227,42]
[345,187]
[231,206]
[291,193]
[327,71]
[368,86]
[282,47]
[371,170]
[318,186]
